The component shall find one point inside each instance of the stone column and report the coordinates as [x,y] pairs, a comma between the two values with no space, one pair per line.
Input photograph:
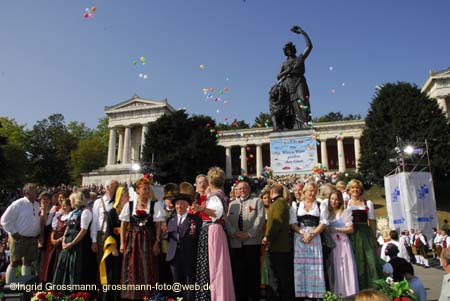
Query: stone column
[341,156]
[259,160]
[127,146]
[144,132]
[324,152]
[120,152]
[357,145]
[228,167]
[243,160]
[112,147]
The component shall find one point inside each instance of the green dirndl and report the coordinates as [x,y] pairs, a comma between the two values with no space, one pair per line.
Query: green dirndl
[368,265]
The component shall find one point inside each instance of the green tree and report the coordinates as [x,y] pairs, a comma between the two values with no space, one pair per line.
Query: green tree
[102,131]
[90,154]
[263,120]
[402,110]
[182,146]
[79,130]
[337,116]
[234,125]
[14,169]
[49,147]
[3,141]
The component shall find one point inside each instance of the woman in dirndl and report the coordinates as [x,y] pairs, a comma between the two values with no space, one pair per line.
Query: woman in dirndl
[59,224]
[308,221]
[74,261]
[213,257]
[364,239]
[140,234]
[343,275]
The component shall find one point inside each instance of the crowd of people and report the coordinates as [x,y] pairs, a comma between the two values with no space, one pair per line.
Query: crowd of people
[293,240]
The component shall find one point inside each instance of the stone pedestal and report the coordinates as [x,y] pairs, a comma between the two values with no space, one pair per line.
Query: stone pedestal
[292,152]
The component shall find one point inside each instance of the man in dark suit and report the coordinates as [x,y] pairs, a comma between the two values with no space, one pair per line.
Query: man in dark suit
[183,230]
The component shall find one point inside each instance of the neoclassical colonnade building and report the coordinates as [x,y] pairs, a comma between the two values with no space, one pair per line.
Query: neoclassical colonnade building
[247,151]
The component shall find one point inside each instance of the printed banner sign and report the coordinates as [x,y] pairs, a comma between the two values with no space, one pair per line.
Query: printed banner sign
[293,155]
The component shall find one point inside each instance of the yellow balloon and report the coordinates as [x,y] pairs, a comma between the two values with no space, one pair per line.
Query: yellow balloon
[202,66]
[142,59]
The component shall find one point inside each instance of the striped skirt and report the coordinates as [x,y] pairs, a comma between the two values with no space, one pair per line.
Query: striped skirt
[309,280]
[139,264]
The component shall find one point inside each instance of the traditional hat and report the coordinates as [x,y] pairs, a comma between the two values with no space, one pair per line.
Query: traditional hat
[170,190]
[185,193]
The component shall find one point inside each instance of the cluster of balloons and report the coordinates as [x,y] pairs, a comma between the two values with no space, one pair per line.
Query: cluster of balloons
[141,59]
[90,12]
[143,62]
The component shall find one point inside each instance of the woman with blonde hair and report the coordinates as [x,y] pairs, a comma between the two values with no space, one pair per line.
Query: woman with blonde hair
[343,274]
[308,221]
[74,260]
[140,234]
[213,258]
[364,236]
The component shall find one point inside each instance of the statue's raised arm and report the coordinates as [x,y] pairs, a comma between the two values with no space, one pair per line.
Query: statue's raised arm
[298,30]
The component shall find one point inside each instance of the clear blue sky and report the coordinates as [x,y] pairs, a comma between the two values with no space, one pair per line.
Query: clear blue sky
[53,60]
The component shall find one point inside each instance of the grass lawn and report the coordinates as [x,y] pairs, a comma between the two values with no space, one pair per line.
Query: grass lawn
[377,195]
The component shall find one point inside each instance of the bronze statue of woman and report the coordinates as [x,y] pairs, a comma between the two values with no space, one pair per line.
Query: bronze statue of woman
[292,87]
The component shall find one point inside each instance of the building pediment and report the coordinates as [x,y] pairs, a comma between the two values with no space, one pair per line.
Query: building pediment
[436,80]
[136,104]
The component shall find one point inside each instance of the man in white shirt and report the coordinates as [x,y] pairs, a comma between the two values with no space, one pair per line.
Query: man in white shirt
[22,222]
[99,213]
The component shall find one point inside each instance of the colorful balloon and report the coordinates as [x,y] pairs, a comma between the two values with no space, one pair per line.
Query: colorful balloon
[202,66]
[94,9]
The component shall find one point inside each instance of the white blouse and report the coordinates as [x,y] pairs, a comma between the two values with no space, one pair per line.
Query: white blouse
[158,212]
[300,211]
[215,203]
[371,213]
[86,218]
[64,217]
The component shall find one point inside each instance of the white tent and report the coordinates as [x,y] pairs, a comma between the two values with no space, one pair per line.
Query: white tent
[410,201]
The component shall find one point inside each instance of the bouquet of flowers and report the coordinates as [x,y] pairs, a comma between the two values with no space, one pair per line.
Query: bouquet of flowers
[50,295]
[330,296]
[80,296]
[397,291]
[319,168]
[57,296]
[268,173]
